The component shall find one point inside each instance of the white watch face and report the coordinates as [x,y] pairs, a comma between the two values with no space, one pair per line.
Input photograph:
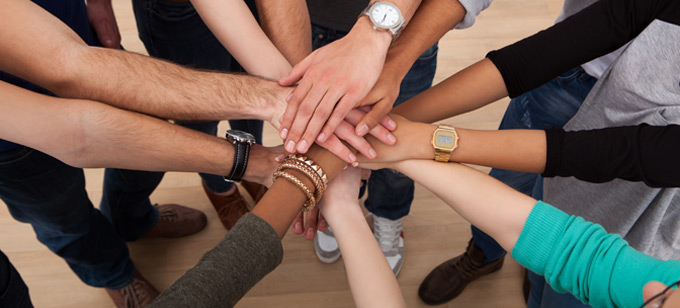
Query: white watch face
[385,15]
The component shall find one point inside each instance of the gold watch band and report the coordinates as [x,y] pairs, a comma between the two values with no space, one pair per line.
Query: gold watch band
[443,149]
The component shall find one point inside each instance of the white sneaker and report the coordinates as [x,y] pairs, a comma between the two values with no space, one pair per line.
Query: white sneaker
[390,236]
[326,247]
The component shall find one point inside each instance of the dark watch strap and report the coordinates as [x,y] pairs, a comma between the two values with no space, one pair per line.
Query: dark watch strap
[241,152]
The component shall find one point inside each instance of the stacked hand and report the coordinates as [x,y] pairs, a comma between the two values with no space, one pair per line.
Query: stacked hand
[332,81]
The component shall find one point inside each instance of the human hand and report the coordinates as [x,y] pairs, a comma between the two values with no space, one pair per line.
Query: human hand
[381,99]
[346,132]
[343,190]
[103,20]
[340,73]
[262,163]
[413,142]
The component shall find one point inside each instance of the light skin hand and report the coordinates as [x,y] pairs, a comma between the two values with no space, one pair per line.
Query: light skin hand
[653,288]
[381,99]
[340,73]
[103,20]
[410,137]
[346,132]
[262,163]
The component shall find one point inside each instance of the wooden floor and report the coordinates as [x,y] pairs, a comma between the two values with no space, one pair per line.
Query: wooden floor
[433,232]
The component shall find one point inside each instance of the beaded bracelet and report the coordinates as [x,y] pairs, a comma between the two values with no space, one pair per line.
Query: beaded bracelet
[311,201]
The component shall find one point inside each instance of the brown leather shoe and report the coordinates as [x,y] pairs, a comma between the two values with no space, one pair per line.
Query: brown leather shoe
[229,208]
[139,293]
[175,220]
[450,278]
[255,190]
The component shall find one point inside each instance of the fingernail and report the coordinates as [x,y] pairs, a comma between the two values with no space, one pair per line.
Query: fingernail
[290,147]
[355,164]
[321,137]
[279,158]
[302,146]
[310,231]
[391,138]
[372,153]
[284,133]
[298,226]
[352,157]
[362,129]
[392,124]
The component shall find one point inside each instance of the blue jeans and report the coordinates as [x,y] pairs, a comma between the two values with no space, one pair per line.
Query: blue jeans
[390,193]
[175,32]
[13,290]
[50,195]
[550,105]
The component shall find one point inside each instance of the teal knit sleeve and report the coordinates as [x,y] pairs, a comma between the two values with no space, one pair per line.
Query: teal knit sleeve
[581,258]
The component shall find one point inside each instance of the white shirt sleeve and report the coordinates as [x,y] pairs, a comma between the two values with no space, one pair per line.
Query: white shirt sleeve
[472,8]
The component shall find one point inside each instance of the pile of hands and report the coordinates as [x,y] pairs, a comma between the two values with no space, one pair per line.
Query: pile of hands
[342,103]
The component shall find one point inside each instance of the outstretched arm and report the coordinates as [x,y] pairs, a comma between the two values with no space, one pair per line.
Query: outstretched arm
[46,52]
[90,134]
[334,78]
[252,248]
[235,27]
[370,277]
[635,153]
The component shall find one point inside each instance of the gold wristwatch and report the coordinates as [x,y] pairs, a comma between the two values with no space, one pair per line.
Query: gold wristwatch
[444,141]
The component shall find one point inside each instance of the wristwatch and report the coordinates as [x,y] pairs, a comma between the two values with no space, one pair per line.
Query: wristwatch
[444,141]
[385,16]
[242,142]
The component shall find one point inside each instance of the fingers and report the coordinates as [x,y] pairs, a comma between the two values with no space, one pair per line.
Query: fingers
[345,131]
[341,110]
[310,223]
[298,71]
[322,225]
[380,132]
[302,117]
[310,123]
[335,146]
[294,101]
[297,226]
[374,117]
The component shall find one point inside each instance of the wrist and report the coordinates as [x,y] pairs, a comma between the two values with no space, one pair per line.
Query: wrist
[261,165]
[420,137]
[364,32]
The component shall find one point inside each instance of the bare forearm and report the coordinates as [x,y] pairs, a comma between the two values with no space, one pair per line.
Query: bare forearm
[89,134]
[288,26]
[482,200]
[370,278]
[476,86]
[45,51]
[431,21]
[284,199]
[519,150]
[135,82]
[233,24]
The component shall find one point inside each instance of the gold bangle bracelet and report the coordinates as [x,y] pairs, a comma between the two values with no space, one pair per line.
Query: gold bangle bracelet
[311,201]
[308,163]
[309,173]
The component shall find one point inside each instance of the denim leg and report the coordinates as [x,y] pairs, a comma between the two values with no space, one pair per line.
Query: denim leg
[543,296]
[390,193]
[50,195]
[13,290]
[175,32]
[550,105]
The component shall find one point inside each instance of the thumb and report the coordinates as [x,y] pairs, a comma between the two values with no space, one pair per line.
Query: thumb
[373,117]
[298,71]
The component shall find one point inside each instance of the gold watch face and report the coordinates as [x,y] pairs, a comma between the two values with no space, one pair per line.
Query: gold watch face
[445,139]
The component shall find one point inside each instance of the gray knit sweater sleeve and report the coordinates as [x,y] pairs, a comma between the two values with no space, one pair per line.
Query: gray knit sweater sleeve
[224,274]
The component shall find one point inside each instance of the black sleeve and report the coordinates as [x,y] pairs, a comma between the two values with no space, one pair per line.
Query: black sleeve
[636,153]
[594,31]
